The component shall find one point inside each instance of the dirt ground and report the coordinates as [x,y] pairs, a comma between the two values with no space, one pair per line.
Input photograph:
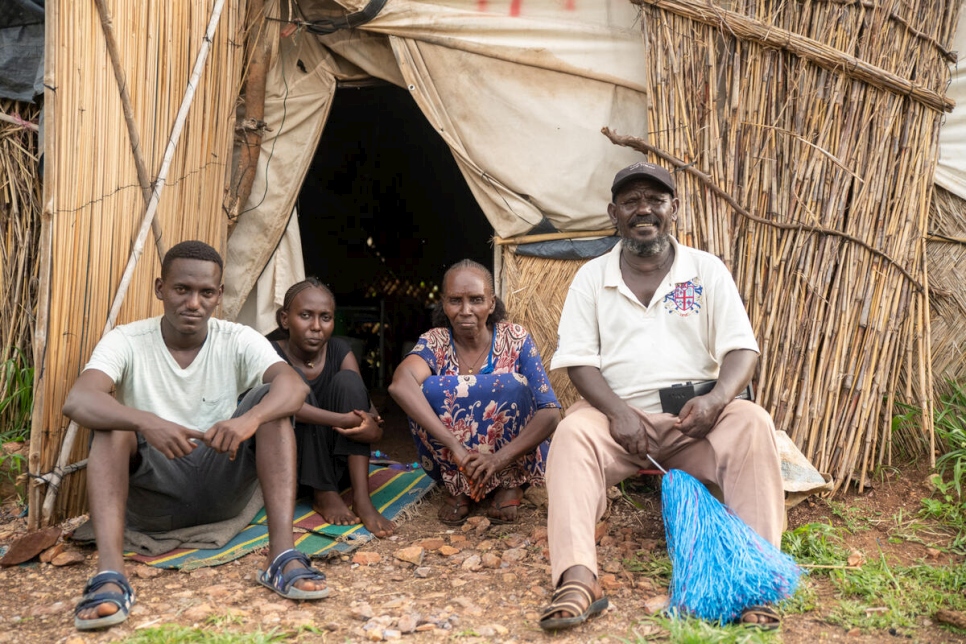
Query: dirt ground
[475,583]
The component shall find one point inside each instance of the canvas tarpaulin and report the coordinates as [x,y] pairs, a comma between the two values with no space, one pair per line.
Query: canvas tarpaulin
[519,91]
[21,49]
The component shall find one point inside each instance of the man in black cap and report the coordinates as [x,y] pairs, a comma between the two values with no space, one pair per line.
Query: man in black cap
[656,340]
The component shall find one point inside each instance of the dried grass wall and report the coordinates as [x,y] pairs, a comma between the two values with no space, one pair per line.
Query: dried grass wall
[946,251]
[93,203]
[20,198]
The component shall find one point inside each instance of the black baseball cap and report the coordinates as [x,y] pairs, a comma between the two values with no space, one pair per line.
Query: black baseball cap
[642,170]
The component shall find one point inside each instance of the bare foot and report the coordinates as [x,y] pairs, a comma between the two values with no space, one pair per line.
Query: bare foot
[374,522]
[333,509]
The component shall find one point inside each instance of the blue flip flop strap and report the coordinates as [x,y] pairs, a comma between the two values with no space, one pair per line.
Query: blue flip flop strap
[284,580]
[92,597]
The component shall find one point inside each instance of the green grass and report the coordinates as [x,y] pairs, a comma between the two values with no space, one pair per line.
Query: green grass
[695,631]
[172,634]
[879,596]
[16,405]
[818,544]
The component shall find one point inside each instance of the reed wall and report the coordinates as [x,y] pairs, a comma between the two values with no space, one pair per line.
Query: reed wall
[93,201]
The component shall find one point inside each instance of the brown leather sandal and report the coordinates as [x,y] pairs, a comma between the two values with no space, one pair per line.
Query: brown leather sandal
[580,612]
[454,510]
[764,617]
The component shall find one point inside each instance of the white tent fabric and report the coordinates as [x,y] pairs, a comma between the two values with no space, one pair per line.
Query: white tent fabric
[518,90]
[285,267]
[951,168]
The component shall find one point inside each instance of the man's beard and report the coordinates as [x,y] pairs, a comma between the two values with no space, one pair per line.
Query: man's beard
[648,249]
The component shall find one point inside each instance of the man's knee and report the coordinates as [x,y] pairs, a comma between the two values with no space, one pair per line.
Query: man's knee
[114,443]
[571,430]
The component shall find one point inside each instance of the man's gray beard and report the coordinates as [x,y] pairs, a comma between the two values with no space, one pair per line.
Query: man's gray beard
[647,249]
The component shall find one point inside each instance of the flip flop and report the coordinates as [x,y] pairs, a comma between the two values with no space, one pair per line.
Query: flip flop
[450,511]
[283,582]
[760,611]
[499,508]
[580,615]
[92,598]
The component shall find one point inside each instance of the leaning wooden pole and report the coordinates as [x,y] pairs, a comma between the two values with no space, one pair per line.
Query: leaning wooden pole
[54,478]
[253,125]
[144,177]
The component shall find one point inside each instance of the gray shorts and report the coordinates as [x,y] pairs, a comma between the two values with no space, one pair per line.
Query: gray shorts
[203,487]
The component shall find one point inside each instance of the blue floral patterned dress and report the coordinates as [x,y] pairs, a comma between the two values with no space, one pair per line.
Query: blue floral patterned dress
[485,410]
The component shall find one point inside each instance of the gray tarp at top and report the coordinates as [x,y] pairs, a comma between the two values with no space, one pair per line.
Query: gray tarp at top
[21,49]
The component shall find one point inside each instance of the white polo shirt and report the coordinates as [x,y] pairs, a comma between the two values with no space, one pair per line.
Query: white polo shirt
[694,320]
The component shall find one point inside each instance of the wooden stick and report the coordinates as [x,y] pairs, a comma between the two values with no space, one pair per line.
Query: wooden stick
[152,206]
[144,178]
[253,126]
[574,234]
[33,127]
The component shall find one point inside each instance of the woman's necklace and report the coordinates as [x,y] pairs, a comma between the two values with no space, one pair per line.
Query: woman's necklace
[472,365]
[308,363]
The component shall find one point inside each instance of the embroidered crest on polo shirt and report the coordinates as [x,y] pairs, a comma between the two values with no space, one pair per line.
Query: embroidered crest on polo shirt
[685,299]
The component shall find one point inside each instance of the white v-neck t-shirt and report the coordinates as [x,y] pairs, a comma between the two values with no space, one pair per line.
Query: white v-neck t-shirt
[232,360]
[694,320]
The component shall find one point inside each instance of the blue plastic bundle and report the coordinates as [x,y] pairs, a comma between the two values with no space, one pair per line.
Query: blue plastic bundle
[720,566]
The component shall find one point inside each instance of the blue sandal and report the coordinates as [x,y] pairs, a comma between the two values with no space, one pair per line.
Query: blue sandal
[284,582]
[92,598]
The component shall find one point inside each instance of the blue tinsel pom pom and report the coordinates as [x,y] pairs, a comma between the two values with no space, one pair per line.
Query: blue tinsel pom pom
[720,566]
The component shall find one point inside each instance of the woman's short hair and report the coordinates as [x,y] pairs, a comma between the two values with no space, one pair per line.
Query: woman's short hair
[309,282]
[439,318]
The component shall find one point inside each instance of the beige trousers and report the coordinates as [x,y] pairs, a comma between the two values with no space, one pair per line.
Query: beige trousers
[739,455]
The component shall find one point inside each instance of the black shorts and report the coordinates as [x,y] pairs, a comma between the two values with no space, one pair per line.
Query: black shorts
[203,487]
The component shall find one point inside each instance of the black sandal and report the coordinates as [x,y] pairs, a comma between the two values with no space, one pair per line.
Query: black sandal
[92,598]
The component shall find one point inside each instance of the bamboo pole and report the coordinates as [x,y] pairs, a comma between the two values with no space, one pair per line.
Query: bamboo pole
[53,478]
[253,125]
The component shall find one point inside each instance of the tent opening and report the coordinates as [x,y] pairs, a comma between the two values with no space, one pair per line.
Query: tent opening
[383,211]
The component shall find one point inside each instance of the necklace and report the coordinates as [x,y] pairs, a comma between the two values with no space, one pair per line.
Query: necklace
[471,365]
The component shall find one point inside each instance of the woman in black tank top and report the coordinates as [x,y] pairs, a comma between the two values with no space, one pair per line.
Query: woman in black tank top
[337,423]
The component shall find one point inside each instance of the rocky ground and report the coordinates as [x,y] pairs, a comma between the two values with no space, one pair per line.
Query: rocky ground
[430,583]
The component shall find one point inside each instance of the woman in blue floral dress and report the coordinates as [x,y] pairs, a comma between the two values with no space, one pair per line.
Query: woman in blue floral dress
[479,402]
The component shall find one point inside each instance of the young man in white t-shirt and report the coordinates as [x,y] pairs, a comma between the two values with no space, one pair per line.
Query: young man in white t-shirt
[173,447]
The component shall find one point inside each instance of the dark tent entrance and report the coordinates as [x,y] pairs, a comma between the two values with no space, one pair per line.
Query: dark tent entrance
[383,211]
